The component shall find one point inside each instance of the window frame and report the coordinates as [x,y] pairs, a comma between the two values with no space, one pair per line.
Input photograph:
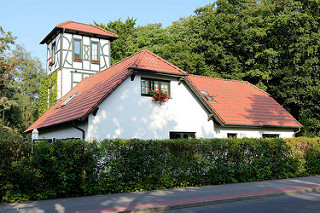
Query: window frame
[232,135]
[53,52]
[150,85]
[91,49]
[182,134]
[66,101]
[74,48]
[267,135]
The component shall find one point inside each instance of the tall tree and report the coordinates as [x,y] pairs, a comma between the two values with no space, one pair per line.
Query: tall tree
[6,69]
[27,75]
[123,46]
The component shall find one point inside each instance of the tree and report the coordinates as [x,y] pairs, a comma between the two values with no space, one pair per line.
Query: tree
[6,77]
[27,75]
[123,46]
[20,75]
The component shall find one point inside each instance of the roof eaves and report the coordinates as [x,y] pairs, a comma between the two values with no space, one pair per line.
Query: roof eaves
[158,72]
[261,126]
[53,125]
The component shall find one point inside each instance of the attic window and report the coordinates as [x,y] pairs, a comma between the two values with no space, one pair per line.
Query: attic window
[208,96]
[68,100]
[147,84]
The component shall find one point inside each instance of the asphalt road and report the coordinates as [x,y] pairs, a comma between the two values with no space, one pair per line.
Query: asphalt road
[299,203]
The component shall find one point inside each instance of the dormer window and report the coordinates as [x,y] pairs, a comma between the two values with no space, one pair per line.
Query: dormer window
[148,84]
[77,50]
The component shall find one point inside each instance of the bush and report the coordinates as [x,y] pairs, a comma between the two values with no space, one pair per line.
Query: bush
[75,168]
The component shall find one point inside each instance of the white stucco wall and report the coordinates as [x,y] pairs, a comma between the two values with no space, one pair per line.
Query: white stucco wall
[63,131]
[222,132]
[127,114]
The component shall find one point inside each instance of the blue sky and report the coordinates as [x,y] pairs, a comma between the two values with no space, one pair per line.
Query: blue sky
[32,20]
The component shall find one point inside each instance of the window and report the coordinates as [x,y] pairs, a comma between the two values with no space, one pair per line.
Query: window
[232,135]
[147,84]
[182,135]
[208,96]
[68,100]
[77,49]
[53,50]
[270,135]
[94,52]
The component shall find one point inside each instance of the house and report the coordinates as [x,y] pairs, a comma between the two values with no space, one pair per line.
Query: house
[115,102]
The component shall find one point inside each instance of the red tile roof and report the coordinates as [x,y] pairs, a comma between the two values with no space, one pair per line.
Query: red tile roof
[94,89]
[81,28]
[241,103]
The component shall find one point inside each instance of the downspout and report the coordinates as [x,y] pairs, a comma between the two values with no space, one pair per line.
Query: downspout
[61,58]
[78,128]
[294,134]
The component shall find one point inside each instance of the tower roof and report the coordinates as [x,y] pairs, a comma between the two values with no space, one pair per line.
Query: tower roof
[80,29]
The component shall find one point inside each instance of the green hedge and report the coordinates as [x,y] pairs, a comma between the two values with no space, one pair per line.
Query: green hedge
[76,168]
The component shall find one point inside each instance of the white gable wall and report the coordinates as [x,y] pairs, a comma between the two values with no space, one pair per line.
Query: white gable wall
[222,132]
[126,114]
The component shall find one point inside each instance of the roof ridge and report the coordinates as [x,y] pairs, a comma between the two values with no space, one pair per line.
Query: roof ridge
[64,23]
[137,61]
[165,61]
[99,28]
[125,59]
[239,81]
[222,79]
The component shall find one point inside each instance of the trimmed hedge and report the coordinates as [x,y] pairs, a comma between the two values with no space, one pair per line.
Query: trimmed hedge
[76,168]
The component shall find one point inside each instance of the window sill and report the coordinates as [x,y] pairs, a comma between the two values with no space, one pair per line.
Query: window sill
[95,61]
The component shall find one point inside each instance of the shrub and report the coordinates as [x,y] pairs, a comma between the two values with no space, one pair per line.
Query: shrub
[75,167]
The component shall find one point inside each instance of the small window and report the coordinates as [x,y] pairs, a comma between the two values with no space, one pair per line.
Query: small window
[94,52]
[270,135]
[232,135]
[68,100]
[182,135]
[53,50]
[147,84]
[77,49]
[209,97]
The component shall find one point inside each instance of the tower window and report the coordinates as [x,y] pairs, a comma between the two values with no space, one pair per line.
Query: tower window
[94,52]
[77,48]
[53,50]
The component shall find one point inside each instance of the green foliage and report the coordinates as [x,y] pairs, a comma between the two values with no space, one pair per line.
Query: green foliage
[75,168]
[48,92]
[20,75]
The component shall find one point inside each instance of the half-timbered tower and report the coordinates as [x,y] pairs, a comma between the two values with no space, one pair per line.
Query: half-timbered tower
[76,51]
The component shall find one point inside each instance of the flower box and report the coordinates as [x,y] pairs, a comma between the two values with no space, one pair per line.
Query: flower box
[159,96]
[77,59]
[95,61]
[51,63]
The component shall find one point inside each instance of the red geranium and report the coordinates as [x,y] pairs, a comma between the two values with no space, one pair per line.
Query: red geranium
[159,96]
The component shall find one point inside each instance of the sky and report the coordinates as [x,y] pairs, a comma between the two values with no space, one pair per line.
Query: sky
[31,20]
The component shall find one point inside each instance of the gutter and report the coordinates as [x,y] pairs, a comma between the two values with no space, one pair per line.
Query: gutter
[78,128]
[294,134]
